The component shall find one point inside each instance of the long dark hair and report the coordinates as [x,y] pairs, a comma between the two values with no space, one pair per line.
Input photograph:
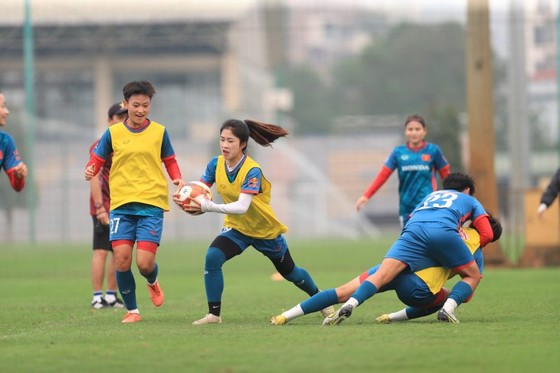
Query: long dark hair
[263,133]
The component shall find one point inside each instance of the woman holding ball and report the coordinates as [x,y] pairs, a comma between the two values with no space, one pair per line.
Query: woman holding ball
[249,218]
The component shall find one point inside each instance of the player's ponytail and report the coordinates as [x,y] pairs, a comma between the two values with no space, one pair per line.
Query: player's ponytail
[264,133]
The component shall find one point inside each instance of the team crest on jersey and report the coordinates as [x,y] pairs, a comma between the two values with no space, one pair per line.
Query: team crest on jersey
[404,157]
[253,182]
[426,157]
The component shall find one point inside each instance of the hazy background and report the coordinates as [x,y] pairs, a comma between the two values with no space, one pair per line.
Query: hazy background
[340,75]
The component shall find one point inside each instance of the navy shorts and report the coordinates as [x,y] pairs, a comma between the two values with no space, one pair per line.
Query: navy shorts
[274,248]
[410,288]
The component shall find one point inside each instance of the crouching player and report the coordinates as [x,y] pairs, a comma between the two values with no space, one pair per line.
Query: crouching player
[436,276]
[421,291]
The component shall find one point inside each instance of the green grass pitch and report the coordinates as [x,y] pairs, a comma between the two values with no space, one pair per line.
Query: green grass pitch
[46,325]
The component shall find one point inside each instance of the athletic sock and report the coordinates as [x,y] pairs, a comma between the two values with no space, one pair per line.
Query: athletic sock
[364,292]
[215,308]
[111,296]
[460,292]
[302,279]
[416,312]
[213,275]
[97,296]
[127,288]
[321,300]
[293,312]
[152,277]
[399,315]
[353,302]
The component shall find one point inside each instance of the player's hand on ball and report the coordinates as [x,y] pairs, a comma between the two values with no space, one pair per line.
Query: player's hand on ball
[177,195]
[194,206]
[180,183]
[191,196]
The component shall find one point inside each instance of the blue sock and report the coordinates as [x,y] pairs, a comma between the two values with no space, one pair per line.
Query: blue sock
[213,275]
[416,312]
[302,279]
[460,292]
[127,288]
[321,300]
[152,277]
[364,292]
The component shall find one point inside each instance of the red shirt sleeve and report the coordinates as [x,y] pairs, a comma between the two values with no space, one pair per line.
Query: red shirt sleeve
[379,180]
[17,184]
[172,167]
[482,225]
[444,171]
[97,161]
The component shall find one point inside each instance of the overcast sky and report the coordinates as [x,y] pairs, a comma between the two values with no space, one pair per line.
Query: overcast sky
[430,10]
[83,11]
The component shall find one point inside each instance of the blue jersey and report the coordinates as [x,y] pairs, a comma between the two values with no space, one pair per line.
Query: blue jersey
[9,156]
[417,173]
[431,238]
[448,207]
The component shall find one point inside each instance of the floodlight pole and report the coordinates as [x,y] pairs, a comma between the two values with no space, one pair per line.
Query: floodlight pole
[558,76]
[480,107]
[29,70]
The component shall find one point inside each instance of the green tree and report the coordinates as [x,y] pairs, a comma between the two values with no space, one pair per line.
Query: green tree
[415,67]
[311,112]
[444,129]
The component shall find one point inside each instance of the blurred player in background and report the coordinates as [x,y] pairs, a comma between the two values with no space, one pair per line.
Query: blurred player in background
[10,160]
[550,193]
[139,191]
[422,290]
[99,205]
[416,161]
[429,239]
[249,218]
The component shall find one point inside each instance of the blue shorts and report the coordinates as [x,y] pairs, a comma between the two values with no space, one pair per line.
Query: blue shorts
[430,244]
[410,289]
[274,248]
[135,227]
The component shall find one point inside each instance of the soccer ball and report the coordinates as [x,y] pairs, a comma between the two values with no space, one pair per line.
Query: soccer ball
[190,191]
